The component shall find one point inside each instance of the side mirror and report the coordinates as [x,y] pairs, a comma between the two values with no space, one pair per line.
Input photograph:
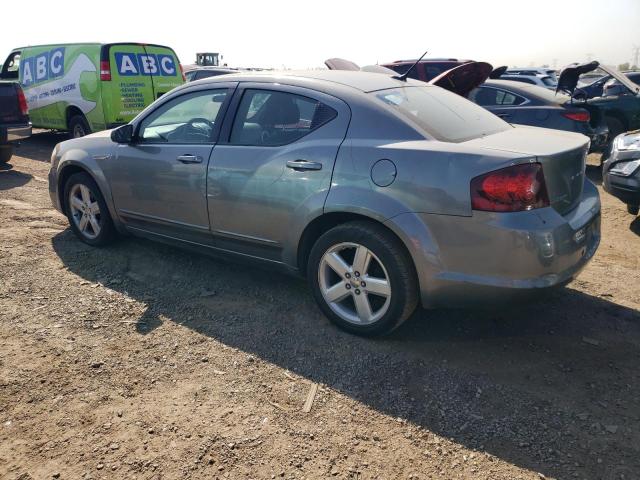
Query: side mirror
[123,134]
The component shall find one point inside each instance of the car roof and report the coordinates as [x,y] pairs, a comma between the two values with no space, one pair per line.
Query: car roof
[363,81]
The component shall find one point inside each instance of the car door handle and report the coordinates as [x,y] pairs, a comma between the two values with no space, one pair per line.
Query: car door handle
[503,115]
[302,165]
[190,158]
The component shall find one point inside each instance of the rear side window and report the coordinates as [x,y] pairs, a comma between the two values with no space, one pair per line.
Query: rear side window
[489,97]
[271,118]
[548,81]
[188,119]
[446,116]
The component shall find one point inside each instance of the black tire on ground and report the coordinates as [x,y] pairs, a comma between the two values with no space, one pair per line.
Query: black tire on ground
[396,260]
[633,209]
[107,232]
[78,126]
[6,152]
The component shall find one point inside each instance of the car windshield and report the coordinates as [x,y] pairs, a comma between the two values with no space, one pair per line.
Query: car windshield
[446,116]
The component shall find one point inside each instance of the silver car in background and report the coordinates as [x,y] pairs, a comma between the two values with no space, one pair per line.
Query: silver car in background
[384,193]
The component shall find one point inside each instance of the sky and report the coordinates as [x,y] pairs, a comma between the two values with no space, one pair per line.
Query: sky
[302,34]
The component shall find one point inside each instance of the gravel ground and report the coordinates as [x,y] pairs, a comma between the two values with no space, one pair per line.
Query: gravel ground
[145,361]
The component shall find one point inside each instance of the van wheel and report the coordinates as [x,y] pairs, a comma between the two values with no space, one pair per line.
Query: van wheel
[633,209]
[87,211]
[78,126]
[6,152]
[362,278]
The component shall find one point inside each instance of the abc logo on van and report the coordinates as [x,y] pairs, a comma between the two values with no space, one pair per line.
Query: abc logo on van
[130,64]
[41,67]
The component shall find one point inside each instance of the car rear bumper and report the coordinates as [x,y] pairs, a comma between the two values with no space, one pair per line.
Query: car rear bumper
[494,256]
[14,133]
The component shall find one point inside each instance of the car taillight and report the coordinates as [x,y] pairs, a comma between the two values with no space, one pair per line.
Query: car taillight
[22,101]
[511,189]
[578,116]
[184,79]
[105,71]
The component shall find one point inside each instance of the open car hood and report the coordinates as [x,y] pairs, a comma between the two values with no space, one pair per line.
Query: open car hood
[463,78]
[622,78]
[570,75]
[341,64]
[498,72]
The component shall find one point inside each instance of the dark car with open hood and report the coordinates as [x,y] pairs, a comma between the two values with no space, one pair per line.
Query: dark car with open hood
[620,107]
[621,170]
[515,102]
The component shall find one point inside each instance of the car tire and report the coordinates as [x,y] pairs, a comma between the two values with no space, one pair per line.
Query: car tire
[78,126]
[92,225]
[374,301]
[633,209]
[6,152]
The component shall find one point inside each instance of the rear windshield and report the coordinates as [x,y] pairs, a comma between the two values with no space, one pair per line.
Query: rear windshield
[446,116]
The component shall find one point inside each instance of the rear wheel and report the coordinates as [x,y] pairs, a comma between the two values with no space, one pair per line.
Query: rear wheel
[78,126]
[362,278]
[6,152]
[87,211]
[633,209]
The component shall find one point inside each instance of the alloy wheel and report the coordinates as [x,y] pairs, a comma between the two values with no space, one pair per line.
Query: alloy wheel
[354,283]
[85,210]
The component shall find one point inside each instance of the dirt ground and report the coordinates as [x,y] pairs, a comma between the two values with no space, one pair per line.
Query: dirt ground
[144,361]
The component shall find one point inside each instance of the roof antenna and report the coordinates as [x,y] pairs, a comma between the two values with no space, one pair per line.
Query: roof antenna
[404,76]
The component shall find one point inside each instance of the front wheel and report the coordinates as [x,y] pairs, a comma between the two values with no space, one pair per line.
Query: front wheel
[78,126]
[87,211]
[6,152]
[363,278]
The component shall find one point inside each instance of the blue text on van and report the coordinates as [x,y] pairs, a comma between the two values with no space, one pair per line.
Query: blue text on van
[130,64]
[42,67]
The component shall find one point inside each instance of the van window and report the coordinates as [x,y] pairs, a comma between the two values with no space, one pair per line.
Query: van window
[188,119]
[11,67]
[446,116]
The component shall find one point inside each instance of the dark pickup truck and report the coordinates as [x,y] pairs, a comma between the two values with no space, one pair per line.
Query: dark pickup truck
[14,118]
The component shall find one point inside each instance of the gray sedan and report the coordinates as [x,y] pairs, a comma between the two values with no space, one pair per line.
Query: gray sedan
[385,193]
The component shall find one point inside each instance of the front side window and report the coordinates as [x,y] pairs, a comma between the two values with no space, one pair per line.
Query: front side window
[270,118]
[446,116]
[190,119]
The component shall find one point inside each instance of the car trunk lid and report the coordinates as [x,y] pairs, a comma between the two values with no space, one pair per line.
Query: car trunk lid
[463,78]
[562,155]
